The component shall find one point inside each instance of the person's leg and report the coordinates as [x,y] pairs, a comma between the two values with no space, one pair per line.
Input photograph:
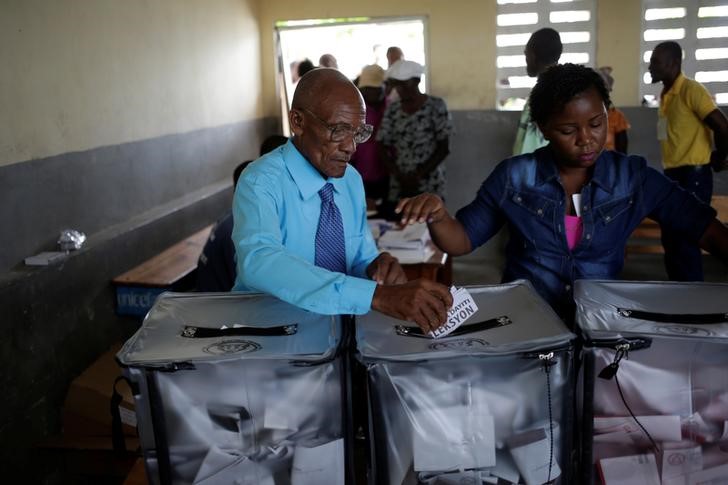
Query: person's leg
[683,260]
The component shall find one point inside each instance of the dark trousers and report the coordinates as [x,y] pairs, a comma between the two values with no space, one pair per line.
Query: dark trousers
[683,260]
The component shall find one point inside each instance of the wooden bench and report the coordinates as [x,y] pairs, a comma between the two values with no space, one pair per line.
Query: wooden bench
[171,270]
[646,238]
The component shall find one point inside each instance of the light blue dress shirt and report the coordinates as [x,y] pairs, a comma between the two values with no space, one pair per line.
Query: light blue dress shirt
[276,210]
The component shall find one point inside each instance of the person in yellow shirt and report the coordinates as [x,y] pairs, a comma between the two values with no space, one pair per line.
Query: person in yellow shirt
[688,121]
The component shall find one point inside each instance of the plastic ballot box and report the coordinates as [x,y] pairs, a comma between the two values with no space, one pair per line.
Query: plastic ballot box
[493,400]
[239,388]
[655,382]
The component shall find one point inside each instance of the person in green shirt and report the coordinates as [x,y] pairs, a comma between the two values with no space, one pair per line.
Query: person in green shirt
[543,50]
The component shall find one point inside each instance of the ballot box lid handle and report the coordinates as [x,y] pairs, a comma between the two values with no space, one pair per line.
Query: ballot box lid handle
[191,331]
[685,318]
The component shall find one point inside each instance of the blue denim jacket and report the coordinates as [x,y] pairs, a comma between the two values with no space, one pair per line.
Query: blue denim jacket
[525,193]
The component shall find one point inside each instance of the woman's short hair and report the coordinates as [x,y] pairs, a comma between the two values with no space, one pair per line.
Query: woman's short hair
[558,85]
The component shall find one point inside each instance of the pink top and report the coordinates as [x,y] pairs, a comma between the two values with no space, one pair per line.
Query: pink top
[366,158]
[574,228]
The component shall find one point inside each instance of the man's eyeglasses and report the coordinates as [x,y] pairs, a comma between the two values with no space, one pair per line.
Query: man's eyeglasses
[341,131]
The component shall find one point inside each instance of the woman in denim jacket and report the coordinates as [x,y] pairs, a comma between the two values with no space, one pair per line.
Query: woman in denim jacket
[571,205]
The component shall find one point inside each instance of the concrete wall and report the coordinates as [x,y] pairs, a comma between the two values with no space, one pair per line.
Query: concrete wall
[123,120]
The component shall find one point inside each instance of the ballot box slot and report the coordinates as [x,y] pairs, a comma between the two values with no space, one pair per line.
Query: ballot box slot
[490,324]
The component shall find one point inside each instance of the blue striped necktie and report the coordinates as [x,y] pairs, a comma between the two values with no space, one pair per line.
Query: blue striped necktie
[330,248]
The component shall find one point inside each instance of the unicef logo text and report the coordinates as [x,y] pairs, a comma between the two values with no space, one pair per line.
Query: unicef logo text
[682,330]
[459,344]
[227,347]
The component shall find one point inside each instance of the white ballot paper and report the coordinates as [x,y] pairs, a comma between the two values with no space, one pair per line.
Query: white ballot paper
[681,458]
[222,467]
[463,307]
[535,460]
[629,470]
[712,476]
[452,438]
[322,464]
[661,428]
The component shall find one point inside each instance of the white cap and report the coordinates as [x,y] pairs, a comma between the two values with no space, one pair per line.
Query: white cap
[403,70]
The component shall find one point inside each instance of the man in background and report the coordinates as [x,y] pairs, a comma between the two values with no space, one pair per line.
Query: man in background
[543,50]
[688,121]
[394,54]
[328,60]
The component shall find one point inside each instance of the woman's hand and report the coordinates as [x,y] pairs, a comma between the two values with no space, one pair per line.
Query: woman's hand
[422,208]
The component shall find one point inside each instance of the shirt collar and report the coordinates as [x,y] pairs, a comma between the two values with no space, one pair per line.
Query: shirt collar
[308,180]
[677,85]
[547,171]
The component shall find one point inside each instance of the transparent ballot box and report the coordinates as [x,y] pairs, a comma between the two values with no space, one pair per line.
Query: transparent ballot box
[238,388]
[491,401]
[655,382]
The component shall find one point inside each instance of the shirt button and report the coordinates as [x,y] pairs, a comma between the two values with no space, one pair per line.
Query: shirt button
[588,236]
[585,208]
[567,287]
[608,218]
[540,212]
[518,199]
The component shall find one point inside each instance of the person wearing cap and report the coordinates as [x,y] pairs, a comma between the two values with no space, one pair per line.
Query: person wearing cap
[299,217]
[414,135]
[366,158]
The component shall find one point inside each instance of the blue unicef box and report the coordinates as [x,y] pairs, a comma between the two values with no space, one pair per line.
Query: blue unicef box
[136,300]
[174,269]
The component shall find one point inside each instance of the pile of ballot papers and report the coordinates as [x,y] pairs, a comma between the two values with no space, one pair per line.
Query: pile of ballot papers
[659,387]
[411,244]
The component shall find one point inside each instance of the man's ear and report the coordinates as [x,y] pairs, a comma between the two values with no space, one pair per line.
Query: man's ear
[295,120]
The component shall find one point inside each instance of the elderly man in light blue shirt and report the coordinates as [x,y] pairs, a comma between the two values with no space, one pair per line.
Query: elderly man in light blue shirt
[278,207]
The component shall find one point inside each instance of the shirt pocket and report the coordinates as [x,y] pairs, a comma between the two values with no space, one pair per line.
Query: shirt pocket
[615,210]
[536,204]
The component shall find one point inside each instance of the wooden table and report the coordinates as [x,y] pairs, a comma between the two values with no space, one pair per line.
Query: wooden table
[437,268]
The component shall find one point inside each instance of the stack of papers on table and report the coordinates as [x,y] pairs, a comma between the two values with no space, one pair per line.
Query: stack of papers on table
[411,244]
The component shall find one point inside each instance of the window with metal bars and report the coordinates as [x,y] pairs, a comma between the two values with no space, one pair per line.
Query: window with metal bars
[701,29]
[575,20]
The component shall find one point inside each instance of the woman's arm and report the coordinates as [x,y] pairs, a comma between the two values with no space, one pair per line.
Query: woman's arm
[447,232]
[715,240]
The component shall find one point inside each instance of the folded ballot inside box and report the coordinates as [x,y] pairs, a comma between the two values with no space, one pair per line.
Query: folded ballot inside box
[655,360]
[472,403]
[453,438]
[243,388]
